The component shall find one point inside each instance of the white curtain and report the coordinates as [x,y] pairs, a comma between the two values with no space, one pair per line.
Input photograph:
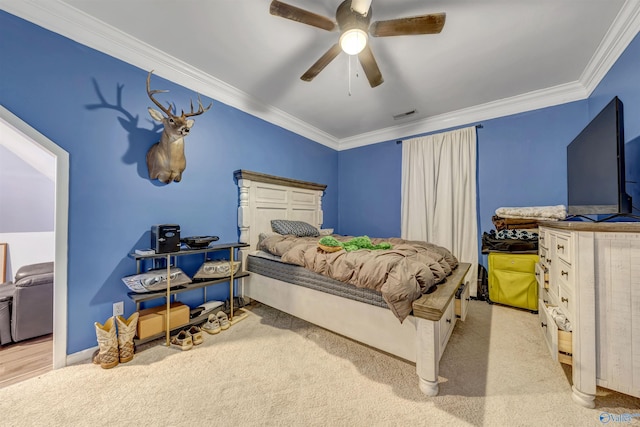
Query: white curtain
[439,194]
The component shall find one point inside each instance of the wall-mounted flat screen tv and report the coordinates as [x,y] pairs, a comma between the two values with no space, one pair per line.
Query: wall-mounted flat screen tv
[595,166]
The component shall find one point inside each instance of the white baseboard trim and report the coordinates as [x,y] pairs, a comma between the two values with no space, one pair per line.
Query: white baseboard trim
[81,356]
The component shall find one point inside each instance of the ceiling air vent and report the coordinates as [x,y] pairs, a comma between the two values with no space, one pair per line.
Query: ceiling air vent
[404,115]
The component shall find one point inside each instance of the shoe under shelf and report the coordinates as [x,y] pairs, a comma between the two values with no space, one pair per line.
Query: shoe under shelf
[239,314]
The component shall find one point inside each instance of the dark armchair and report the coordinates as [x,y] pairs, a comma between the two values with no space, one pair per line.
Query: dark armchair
[26,304]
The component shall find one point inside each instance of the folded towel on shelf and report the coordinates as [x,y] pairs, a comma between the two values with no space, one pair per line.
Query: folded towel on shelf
[517,233]
[546,213]
[513,223]
[492,244]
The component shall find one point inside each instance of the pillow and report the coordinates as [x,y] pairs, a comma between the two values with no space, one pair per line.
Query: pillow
[297,228]
[263,236]
[326,231]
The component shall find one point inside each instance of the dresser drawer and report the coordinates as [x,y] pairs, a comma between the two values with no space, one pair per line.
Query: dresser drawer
[565,347]
[544,254]
[564,274]
[562,247]
[559,342]
[447,321]
[554,286]
[549,330]
[542,276]
[462,301]
[543,238]
[566,300]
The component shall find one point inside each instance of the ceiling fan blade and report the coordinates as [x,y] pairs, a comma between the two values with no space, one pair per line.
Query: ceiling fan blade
[424,24]
[370,66]
[300,15]
[322,62]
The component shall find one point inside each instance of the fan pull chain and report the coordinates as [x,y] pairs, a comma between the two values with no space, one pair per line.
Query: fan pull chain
[349,75]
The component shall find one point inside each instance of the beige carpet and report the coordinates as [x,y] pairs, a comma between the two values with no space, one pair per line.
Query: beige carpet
[273,369]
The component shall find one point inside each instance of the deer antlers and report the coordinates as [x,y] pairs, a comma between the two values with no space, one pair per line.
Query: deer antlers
[167,111]
[165,159]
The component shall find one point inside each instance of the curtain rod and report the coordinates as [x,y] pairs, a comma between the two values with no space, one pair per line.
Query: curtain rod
[478,126]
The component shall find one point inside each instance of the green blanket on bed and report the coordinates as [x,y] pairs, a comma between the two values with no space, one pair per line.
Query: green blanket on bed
[361,242]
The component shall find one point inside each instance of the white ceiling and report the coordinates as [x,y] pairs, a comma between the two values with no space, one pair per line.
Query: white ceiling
[493,57]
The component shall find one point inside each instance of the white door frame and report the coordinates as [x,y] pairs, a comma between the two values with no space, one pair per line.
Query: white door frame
[61,227]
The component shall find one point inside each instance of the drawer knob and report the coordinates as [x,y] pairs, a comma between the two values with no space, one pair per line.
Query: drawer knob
[448,320]
[543,325]
[563,299]
[560,247]
[564,273]
[549,262]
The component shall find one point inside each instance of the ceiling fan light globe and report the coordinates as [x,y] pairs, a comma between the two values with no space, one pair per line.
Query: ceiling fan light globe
[353,41]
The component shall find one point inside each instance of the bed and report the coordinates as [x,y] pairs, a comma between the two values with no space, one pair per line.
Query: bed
[421,337]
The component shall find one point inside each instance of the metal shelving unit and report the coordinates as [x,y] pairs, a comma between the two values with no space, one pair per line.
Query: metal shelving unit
[141,297]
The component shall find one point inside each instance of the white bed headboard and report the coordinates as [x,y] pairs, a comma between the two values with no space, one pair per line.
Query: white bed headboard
[265,197]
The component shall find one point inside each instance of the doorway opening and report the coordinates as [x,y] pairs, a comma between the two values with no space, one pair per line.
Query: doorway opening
[12,127]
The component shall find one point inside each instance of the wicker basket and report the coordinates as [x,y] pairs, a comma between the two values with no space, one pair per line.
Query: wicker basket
[330,248]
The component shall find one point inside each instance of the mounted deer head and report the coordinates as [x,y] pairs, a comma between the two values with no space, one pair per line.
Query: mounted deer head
[165,159]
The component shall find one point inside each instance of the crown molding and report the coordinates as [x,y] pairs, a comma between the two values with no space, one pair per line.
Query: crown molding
[61,18]
[623,30]
[70,22]
[505,107]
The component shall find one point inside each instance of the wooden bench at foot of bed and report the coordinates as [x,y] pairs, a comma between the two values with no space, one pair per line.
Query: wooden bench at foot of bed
[435,315]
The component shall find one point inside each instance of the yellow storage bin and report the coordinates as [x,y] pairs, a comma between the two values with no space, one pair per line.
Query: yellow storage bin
[512,280]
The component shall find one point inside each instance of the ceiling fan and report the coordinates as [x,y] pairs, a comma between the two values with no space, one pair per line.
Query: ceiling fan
[353,20]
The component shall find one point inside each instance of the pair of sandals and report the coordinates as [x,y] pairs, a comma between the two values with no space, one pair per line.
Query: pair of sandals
[216,323]
[187,338]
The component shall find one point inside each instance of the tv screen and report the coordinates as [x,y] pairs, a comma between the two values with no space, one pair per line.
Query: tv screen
[595,166]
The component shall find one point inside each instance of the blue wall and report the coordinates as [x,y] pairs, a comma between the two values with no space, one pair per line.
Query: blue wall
[369,190]
[48,81]
[521,158]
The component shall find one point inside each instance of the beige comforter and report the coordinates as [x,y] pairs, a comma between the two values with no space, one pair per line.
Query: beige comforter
[401,274]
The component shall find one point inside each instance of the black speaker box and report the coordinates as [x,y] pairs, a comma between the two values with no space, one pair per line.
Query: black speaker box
[165,238]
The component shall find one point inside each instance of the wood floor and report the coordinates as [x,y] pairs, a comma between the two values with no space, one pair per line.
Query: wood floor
[25,359]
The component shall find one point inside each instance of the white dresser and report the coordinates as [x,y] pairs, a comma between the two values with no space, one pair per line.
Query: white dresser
[590,273]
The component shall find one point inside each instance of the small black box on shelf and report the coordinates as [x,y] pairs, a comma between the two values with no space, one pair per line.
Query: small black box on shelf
[165,238]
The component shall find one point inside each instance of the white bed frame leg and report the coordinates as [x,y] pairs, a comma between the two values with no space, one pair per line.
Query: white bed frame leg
[428,355]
